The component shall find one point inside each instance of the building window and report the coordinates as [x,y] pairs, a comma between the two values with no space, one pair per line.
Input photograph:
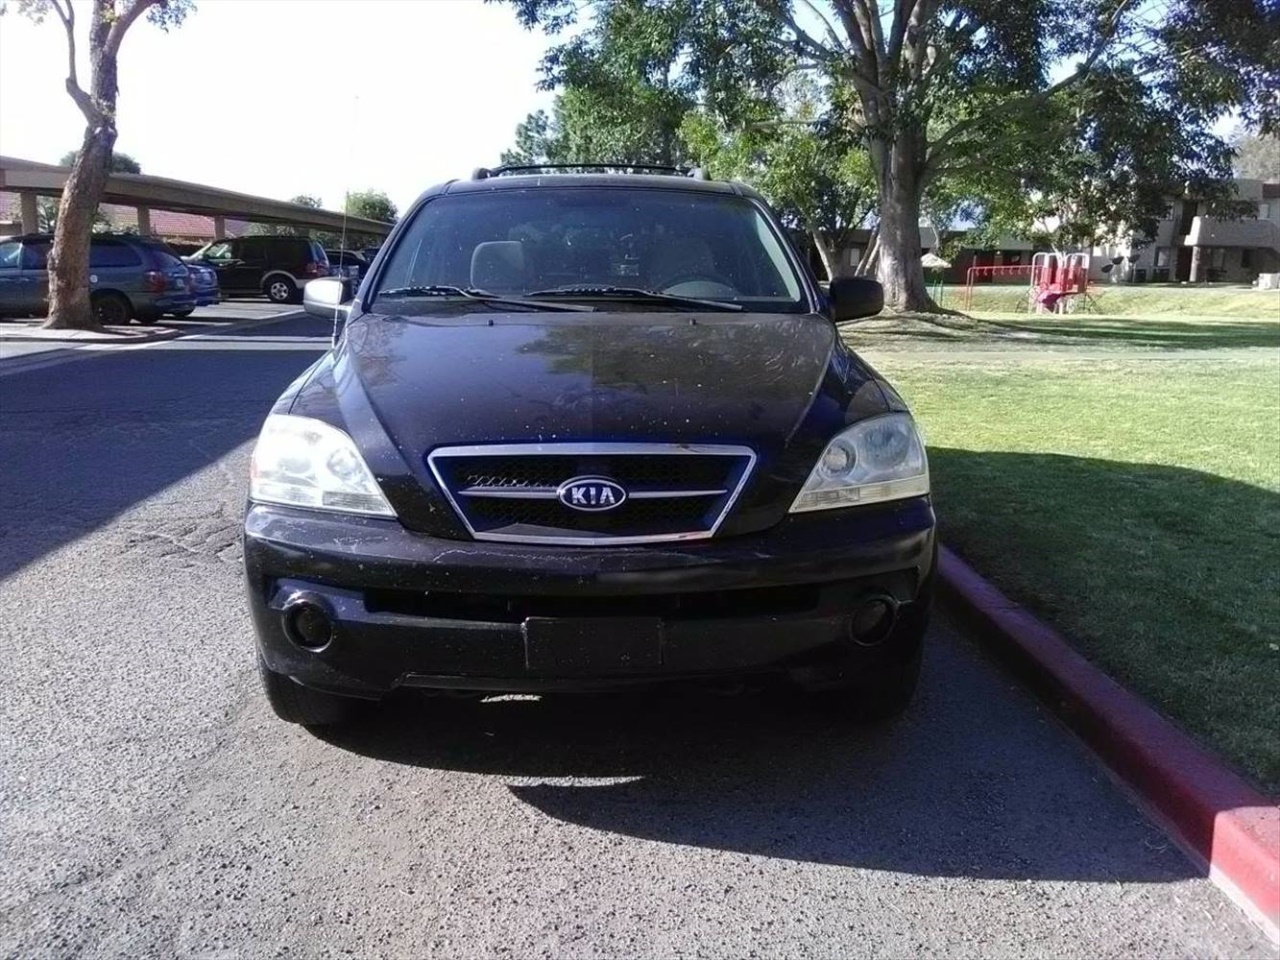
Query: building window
[1246,258]
[1264,211]
[855,256]
[1218,257]
[1162,257]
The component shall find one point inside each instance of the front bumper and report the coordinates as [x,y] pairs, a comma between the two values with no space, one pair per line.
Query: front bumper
[412,610]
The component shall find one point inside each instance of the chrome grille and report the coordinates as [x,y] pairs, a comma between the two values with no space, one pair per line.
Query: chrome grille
[511,491]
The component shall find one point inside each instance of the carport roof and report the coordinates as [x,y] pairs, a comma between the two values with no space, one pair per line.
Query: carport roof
[162,193]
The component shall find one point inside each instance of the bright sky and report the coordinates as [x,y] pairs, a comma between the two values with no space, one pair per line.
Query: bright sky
[281,97]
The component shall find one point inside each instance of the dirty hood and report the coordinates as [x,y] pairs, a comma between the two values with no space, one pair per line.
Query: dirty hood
[680,377]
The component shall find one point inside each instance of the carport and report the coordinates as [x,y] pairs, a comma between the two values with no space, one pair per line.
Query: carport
[29,180]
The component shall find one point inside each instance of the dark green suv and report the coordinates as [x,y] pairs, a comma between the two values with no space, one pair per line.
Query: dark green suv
[275,266]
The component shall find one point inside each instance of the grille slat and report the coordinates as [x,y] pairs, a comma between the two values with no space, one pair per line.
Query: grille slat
[510,491]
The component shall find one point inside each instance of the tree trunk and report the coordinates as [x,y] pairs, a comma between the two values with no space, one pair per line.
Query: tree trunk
[899,270]
[830,258]
[870,256]
[69,306]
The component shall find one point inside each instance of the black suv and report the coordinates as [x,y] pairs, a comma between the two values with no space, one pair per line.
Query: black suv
[586,430]
[275,266]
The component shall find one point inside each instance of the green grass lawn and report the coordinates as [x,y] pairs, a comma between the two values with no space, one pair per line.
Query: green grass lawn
[1146,299]
[1131,499]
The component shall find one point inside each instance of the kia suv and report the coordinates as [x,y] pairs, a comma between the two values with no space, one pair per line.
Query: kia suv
[275,266]
[587,430]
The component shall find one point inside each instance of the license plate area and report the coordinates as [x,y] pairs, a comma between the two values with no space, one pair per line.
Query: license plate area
[592,646]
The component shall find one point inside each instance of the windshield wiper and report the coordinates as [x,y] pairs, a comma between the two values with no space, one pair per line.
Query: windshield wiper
[634,293]
[483,296]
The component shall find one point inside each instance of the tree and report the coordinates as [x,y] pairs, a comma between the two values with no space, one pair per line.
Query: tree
[47,208]
[1257,157]
[1118,159]
[288,229]
[818,182]
[371,205]
[109,22]
[119,163]
[538,139]
[617,123]
[937,88]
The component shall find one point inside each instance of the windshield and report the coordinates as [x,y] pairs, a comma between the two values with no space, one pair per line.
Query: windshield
[584,240]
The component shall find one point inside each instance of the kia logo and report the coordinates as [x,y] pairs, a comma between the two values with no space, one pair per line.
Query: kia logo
[592,494]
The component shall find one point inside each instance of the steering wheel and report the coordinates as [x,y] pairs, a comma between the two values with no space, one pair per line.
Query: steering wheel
[725,288]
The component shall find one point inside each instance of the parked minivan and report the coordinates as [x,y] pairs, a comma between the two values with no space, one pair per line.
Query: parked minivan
[275,266]
[130,278]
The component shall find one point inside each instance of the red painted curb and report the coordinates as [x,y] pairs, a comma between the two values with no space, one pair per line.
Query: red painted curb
[1231,829]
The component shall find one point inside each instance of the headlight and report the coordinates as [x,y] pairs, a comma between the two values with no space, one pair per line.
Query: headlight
[872,461]
[307,463]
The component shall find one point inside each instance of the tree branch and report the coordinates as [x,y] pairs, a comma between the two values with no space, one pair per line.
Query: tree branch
[122,24]
[898,32]
[862,54]
[832,36]
[74,90]
[869,23]
[803,37]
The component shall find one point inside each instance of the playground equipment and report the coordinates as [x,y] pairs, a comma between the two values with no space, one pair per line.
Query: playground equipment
[1053,279]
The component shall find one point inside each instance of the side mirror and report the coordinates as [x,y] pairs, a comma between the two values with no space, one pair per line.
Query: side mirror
[852,297]
[325,297]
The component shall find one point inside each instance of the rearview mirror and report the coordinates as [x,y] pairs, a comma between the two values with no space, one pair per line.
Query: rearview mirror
[852,297]
[325,297]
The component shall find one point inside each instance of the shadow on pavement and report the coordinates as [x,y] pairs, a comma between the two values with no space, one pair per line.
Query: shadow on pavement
[82,442]
[971,782]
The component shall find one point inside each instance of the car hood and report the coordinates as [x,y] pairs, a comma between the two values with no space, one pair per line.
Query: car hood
[508,377]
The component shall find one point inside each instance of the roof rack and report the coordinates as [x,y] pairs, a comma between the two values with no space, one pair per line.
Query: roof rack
[484,173]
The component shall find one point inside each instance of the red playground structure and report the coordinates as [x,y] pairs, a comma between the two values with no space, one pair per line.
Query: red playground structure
[1054,279]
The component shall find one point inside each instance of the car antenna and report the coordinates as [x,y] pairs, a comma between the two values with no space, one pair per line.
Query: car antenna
[342,243]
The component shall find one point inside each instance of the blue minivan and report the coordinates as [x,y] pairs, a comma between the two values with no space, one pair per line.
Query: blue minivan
[130,278]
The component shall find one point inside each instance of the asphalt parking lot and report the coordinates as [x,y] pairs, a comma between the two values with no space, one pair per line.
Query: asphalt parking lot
[149,804]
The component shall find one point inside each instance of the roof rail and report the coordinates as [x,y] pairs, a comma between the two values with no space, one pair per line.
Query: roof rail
[484,173]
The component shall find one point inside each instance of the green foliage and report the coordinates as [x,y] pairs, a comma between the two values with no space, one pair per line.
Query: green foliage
[120,162]
[961,103]
[371,205]
[1118,157]
[1257,156]
[818,182]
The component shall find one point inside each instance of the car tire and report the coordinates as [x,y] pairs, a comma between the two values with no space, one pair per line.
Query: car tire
[182,314]
[147,317]
[294,703]
[112,309]
[281,290]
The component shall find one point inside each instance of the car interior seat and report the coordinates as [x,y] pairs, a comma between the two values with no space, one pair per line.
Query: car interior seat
[499,265]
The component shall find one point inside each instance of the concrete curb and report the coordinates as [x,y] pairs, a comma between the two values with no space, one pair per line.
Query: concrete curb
[98,339]
[1225,825]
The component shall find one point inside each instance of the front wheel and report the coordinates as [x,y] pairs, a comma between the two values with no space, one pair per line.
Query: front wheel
[112,310]
[182,314]
[294,703]
[281,290]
